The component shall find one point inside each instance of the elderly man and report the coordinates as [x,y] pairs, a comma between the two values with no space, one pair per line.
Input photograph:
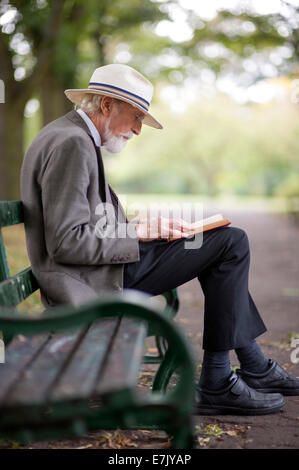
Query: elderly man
[64,187]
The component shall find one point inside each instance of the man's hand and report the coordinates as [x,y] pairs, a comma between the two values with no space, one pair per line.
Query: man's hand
[160,227]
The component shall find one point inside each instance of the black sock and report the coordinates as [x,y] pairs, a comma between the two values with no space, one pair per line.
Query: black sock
[215,370]
[252,358]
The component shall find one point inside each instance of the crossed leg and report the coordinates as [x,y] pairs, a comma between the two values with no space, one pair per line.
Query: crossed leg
[231,319]
[221,264]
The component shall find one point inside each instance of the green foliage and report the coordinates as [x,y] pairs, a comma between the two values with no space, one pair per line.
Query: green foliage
[245,33]
[212,149]
[289,187]
[56,29]
[215,148]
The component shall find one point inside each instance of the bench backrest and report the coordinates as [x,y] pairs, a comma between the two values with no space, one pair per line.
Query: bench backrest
[15,289]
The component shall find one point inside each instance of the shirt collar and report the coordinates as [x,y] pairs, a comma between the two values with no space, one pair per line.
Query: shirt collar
[94,132]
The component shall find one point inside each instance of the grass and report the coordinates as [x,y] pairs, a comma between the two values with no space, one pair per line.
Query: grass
[17,258]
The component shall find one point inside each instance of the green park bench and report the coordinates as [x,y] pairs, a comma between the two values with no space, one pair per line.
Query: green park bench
[71,370]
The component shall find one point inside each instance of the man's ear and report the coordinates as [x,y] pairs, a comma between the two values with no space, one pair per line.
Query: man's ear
[106,105]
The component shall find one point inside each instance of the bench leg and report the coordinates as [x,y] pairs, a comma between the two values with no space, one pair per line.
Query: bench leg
[172,302]
[182,437]
[7,338]
[164,373]
[152,416]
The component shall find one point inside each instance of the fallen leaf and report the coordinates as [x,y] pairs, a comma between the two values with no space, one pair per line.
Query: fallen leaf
[166,444]
[231,432]
[203,441]
[213,430]
[184,320]
[21,338]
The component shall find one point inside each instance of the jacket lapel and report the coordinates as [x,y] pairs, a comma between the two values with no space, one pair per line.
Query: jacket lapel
[103,187]
[102,179]
[106,192]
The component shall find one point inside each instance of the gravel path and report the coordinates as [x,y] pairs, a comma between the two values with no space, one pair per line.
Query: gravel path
[274,286]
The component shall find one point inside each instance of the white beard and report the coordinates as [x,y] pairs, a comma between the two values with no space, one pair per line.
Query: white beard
[112,143]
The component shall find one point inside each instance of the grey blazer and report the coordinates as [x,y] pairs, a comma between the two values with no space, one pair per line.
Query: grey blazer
[60,190]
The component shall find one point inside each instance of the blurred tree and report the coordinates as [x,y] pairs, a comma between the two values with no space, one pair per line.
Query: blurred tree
[26,42]
[239,40]
[45,45]
[41,46]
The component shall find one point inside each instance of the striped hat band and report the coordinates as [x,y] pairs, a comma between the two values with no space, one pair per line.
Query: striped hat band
[121,82]
[120,92]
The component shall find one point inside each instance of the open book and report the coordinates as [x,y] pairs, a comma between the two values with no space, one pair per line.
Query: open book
[206,224]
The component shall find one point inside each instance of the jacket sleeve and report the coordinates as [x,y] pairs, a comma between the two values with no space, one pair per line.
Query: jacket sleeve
[69,235]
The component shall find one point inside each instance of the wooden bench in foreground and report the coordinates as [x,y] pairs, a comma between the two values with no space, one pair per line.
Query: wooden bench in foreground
[75,369]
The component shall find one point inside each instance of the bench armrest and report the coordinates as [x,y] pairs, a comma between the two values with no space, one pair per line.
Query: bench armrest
[130,303]
[69,316]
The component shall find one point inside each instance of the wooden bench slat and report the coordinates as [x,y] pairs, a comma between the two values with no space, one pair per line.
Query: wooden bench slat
[84,363]
[11,213]
[122,366]
[79,378]
[19,353]
[43,370]
[17,288]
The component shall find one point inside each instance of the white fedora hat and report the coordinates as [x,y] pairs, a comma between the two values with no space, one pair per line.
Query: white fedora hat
[121,82]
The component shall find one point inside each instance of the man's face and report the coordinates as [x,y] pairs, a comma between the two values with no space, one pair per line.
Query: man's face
[123,123]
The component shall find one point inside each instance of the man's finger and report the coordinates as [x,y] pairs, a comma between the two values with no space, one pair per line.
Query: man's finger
[180,224]
[177,234]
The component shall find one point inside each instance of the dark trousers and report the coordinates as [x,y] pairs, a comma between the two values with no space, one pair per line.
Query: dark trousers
[221,264]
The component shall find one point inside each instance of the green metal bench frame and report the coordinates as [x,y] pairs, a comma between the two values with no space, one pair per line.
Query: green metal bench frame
[169,410]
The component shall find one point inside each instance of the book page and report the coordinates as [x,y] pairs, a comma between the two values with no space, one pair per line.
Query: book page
[207,220]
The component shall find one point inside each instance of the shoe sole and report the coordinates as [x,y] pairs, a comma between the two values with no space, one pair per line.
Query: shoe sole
[226,410]
[283,391]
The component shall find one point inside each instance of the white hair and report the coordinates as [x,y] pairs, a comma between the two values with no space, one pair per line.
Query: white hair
[91,103]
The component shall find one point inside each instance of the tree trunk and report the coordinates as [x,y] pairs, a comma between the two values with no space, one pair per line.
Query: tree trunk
[16,96]
[11,147]
[54,103]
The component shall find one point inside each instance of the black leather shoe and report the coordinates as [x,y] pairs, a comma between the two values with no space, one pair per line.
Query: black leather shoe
[236,399]
[274,380]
